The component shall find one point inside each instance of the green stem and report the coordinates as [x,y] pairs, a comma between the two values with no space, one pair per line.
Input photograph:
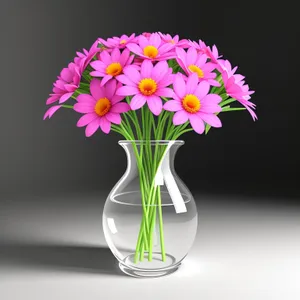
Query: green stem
[161,227]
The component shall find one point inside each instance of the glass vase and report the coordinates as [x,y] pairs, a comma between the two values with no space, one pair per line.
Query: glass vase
[150,216]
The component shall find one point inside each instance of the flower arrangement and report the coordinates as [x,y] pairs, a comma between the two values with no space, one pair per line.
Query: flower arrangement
[149,87]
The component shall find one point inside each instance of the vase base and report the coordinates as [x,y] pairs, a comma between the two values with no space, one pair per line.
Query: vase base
[141,269]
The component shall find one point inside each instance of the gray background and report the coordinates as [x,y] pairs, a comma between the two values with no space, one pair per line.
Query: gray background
[54,180]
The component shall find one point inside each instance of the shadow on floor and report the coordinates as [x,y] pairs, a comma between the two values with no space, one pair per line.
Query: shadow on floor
[73,258]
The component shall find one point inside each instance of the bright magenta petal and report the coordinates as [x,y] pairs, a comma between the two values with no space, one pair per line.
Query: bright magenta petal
[137,101]
[210,119]
[165,92]
[179,86]
[84,108]
[192,83]
[202,89]
[197,123]
[86,98]
[132,74]
[180,117]
[127,91]
[92,127]
[104,125]
[120,108]
[146,69]
[154,104]
[172,105]
[113,117]
[96,90]
[86,119]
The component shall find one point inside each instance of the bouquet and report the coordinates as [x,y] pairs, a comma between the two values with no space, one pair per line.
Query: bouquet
[149,87]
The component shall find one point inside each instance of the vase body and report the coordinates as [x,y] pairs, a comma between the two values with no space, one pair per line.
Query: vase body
[150,216]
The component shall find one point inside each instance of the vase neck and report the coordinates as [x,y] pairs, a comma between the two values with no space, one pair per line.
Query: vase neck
[150,154]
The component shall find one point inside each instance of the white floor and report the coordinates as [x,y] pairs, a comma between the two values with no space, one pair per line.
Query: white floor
[53,251]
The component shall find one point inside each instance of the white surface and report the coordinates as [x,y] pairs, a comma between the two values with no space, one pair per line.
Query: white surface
[242,252]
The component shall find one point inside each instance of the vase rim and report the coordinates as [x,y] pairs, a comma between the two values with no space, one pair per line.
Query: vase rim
[152,142]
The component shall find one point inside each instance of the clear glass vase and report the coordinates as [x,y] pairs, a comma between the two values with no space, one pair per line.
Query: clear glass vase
[150,216]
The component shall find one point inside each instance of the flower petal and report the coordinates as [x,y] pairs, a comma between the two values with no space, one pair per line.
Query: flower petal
[105,57]
[212,98]
[159,70]
[86,98]
[120,108]
[92,127]
[110,88]
[51,111]
[146,69]
[84,108]
[104,125]
[86,119]
[135,48]
[172,105]
[210,119]
[133,74]
[96,89]
[125,80]
[164,92]
[191,56]
[202,89]
[113,117]
[192,83]
[127,90]
[197,123]
[154,104]
[65,97]
[105,79]
[180,117]
[115,55]
[137,101]
[179,86]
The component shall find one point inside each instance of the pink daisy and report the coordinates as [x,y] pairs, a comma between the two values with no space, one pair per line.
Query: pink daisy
[237,89]
[193,62]
[200,46]
[192,102]
[84,58]
[101,108]
[65,86]
[111,64]
[147,85]
[152,48]
[167,38]
[118,42]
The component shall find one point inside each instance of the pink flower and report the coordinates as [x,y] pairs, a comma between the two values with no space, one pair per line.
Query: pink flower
[146,34]
[152,48]
[118,42]
[111,65]
[65,86]
[167,38]
[83,59]
[200,46]
[51,111]
[192,102]
[101,108]
[237,89]
[148,85]
[193,62]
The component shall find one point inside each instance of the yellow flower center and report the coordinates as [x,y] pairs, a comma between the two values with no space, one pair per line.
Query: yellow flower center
[172,42]
[195,69]
[150,51]
[147,86]
[102,107]
[123,42]
[191,103]
[114,69]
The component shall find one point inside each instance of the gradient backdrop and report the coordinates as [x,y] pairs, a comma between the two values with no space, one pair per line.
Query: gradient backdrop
[53,162]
